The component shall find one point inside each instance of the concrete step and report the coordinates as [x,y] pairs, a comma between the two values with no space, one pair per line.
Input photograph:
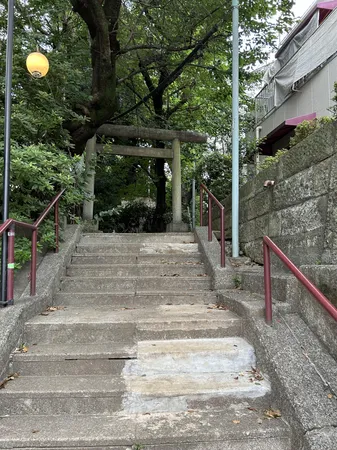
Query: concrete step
[248,304]
[72,395]
[73,359]
[103,324]
[136,270]
[133,300]
[236,428]
[143,249]
[231,354]
[284,286]
[133,284]
[62,395]
[167,259]
[181,392]
[174,375]
[143,238]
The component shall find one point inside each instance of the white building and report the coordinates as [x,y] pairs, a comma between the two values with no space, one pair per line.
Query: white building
[299,85]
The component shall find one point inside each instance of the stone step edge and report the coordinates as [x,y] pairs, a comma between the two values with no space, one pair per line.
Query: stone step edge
[206,277]
[155,428]
[138,266]
[88,385]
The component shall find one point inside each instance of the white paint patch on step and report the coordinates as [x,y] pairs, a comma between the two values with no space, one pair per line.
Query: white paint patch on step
[171,375]
[192,356]
[168,248]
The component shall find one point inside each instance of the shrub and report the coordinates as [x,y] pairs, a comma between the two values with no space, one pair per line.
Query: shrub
[38,173]
[131,217]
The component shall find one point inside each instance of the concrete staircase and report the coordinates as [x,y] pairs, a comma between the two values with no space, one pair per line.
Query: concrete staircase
[136,355]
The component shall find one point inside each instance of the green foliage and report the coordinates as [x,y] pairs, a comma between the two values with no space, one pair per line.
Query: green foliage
[121,178]
[334,98]
[237,281]
[38,173]
[215,171]
[271,160]
[302,131]
[307,127]
[129,217]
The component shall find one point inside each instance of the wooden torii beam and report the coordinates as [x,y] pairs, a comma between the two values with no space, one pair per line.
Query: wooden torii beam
[132,132]
[128,150]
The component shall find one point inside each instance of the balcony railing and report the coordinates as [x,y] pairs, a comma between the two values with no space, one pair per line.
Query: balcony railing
[265,101]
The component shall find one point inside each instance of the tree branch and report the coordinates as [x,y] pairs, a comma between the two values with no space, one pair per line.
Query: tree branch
[155,47]
[174,74]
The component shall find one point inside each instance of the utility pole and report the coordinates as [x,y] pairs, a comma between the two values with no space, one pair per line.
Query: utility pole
[235,130]
[7,146]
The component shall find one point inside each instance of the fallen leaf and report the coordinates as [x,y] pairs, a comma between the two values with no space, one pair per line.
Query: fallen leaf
[22,349]
[272,413]
[35,431]
[7,379]
[257,374]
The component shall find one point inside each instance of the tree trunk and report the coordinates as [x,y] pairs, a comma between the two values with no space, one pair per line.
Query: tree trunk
[158,224]
[102,22]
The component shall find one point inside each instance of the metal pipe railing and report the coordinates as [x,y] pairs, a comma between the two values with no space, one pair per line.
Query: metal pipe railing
[9,227]
[268,245]
[212,199]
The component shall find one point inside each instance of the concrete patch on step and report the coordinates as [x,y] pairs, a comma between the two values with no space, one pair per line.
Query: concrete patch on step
[168,248]
[192,356]
[173,375]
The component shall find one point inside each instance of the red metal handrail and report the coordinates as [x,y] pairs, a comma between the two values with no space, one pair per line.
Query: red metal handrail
[9,225]
[211,199]
[268,245]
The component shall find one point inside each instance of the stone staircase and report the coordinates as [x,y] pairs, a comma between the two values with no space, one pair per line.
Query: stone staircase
[135,354]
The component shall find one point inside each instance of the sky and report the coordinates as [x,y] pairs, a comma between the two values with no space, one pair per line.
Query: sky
[301,6]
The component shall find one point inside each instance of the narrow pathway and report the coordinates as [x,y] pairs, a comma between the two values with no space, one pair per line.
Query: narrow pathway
[136,355]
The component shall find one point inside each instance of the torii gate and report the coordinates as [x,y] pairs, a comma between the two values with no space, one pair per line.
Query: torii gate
[132,132]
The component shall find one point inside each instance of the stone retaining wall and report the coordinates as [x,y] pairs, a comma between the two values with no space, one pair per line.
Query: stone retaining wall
[300,212]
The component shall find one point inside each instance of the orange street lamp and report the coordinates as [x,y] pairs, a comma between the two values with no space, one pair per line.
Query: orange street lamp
[37,65]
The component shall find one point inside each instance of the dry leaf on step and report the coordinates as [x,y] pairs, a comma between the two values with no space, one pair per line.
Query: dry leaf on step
[272,413]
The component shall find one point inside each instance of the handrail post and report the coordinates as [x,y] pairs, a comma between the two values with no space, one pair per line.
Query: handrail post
[10,265]
[33,264]
[201,205]
[209,218]
[56,220]
[267,284]
[222,237]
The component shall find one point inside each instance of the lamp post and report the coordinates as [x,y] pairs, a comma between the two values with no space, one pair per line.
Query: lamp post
[7,145]
[38,66]
[235,131]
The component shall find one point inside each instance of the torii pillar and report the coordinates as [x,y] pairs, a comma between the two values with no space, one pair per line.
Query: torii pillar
[177,223]
[88,205]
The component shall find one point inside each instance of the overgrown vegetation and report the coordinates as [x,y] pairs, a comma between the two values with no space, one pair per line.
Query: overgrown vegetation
[38,172]
[302,131]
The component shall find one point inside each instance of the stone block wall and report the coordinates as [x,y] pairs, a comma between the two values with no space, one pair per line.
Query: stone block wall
[300,211]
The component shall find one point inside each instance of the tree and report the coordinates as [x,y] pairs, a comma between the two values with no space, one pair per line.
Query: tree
[143,62]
